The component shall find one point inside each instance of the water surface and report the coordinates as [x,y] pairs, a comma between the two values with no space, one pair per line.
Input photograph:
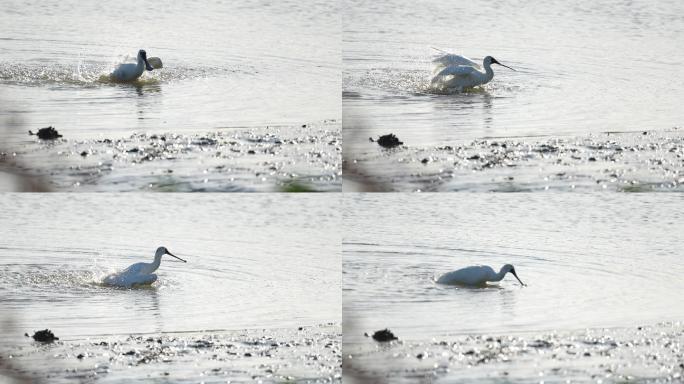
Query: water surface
[227,65]
[588,261]
[264,261]
[583,67]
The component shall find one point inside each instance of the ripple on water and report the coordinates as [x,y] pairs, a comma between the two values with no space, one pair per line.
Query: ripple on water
[586,262]
[233,279]
[576,85]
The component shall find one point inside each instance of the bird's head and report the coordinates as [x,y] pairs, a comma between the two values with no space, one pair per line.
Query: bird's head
[161,251]
[143,55]
[509,268]
[490,60]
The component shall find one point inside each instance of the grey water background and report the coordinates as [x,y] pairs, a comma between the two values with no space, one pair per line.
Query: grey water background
[588,260]
[253,261]
[227,65]
[582,67]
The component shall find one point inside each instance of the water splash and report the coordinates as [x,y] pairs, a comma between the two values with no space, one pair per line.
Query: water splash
[89,74]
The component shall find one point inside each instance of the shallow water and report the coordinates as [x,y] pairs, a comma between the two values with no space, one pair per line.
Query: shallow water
[242,64]
[588,261]
[581,68]
[264,261]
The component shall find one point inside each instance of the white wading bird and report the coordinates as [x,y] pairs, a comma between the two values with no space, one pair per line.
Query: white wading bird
[130,71]
[139,273]
[477,275]
[456,72]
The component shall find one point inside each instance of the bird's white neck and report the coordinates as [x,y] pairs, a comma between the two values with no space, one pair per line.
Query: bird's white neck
[141,62]
[499,276]
[155,264]
[489,72]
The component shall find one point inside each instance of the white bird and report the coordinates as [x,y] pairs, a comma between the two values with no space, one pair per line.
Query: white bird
[477,275]
[129,71]
[456,72]
[139,273]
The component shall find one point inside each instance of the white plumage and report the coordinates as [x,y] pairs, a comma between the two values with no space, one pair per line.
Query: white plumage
[477,275]
[130,71]
[457,73]
[139,273]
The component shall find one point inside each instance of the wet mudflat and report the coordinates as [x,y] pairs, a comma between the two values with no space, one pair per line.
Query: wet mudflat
[245,160]
[618,161]
[302,354]
[644,354]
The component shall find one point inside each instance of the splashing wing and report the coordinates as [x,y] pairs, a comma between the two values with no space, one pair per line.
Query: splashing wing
[155,62]
[450,60]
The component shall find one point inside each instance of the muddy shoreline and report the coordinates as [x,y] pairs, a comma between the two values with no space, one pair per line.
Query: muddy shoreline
[646,354]
[306,157]
[304,355]
[618,161]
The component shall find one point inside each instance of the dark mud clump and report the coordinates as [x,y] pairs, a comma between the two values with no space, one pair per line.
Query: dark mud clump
[48,133]
[384,335]
[388,141]
[45,336]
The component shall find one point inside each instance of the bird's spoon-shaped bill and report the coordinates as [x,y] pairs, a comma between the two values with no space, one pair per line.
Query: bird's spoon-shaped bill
[508,67]
[496,62]
[171,254]
[516,276]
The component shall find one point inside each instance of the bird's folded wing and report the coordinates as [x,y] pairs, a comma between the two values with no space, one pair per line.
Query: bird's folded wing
[456,70]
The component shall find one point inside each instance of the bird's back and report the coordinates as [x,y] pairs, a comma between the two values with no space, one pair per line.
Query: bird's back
[473,275]
[136,269]
[457,77]
[127,72]
[457,70]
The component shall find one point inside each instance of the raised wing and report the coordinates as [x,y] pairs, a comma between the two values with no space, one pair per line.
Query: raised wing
[451,59]
[155,62]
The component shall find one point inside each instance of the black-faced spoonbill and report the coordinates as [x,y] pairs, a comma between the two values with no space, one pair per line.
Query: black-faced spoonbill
[130,71]
[459,72]
[139,273]
[477,275]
